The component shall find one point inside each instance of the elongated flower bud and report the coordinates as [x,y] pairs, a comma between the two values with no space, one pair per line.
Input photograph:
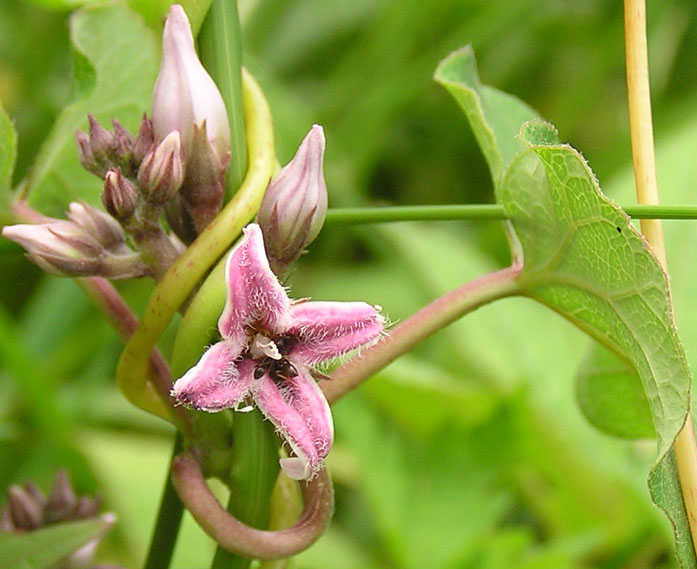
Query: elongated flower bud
[86,246]
[295,203]
[185,94]
[143,143]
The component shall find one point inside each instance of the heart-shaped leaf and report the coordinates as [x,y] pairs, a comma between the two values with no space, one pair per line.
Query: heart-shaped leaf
[580,256]
[494,116]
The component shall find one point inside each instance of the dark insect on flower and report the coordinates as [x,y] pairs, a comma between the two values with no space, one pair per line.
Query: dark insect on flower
[278,370]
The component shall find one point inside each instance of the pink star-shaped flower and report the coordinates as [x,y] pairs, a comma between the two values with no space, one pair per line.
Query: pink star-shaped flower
[269,347]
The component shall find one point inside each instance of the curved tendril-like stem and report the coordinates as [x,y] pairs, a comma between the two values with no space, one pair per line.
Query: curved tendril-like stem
[187,271]
[419,326]
[237,537]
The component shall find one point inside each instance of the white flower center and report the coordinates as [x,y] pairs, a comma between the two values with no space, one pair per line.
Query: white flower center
[264,347]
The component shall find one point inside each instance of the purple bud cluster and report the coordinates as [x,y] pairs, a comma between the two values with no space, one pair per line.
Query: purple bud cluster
[173,167]
[29,509]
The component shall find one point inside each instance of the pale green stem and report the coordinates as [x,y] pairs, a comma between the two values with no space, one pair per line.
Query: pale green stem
[479,211]
[254,471]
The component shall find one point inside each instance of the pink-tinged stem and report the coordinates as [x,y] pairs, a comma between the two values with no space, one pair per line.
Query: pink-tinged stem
[233,535]
[103,294]
[420,326]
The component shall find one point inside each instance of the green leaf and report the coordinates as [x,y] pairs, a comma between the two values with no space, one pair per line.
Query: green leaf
[584,260]
[122,53]
[666,493]
[62,4]
[46,547]
[609,393]
[8,154]
[495,117]
[676,171]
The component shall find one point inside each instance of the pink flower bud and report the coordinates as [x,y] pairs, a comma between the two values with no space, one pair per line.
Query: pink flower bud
[102,227]
[185,94]
[89,245]
[144,141]
[119,196]
[162,171]
[295,203]
[101,150]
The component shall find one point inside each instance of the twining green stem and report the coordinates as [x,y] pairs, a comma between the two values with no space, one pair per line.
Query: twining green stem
[254,472]
[357,215]
[220,50]
[199,325]
[420,326]
[182,277]
[169,518]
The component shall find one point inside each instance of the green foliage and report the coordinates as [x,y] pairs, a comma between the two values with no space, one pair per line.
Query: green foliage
[47,546]
[488,402]
[495,117]
[8,155]
[582,258]
[122,53]
[603,380]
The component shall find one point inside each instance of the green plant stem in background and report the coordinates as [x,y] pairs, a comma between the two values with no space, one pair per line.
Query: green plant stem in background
[169,518]
[220,50]
[356,215]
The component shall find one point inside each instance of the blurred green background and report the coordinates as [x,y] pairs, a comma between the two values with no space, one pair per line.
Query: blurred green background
[469,451]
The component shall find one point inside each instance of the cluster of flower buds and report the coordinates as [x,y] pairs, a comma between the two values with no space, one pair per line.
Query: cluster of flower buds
[28,509]
[91,243]
[101,150]
[295,204]
[140,173]
[176,164]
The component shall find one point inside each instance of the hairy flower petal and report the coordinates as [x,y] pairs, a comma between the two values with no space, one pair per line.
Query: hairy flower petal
[214,383]
[326,330]
[300,412]
[254,293]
